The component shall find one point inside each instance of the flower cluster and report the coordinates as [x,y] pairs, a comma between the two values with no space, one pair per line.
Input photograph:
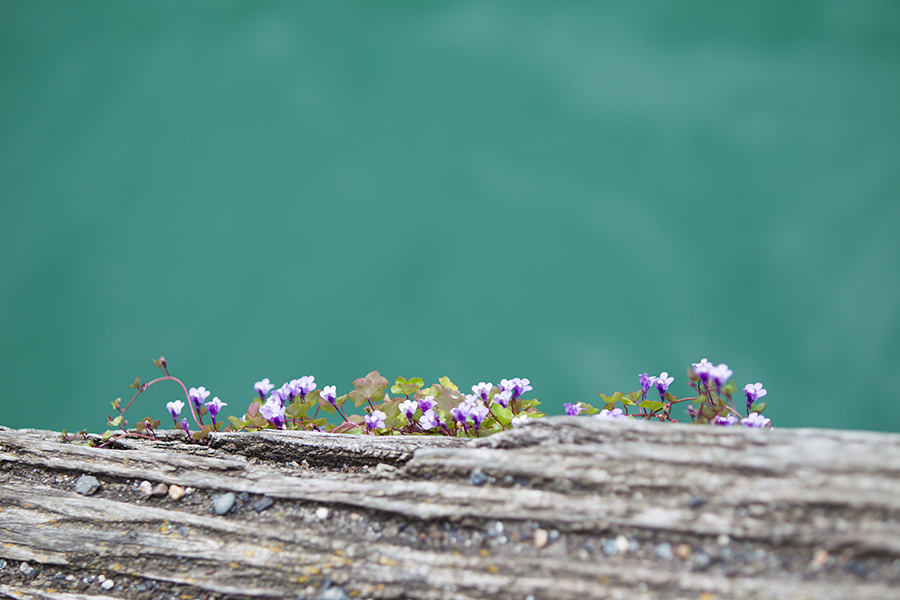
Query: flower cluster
[196,402]
[712,404]
[409,407]
[406,407]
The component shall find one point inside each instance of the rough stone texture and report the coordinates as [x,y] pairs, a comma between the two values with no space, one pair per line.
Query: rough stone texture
[561,508]
[87,485]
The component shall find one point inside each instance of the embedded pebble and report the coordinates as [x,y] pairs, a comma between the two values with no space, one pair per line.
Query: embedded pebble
[322,513]
[664,551]
[540,538]
[222,503]
[146,488]
[495,529]
[176,492]
[723,539]
[334,593]
[160,489]
[820,559]
[478,477]
[262,504]
[26,568]
[87,485]
[683,551]
[108,584]
[622,544]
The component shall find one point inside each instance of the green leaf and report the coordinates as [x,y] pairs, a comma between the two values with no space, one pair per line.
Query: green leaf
[394,421]
[530,404]
[358,397]
[116,403]
[115,422]
[445,381]
[612,401]
[758,407]
[253,409]
[137,383]
[429,391]
[199,435]
[447,397]
[237,423]
[707,412]
[589,409]
[652,405]
[259,422]
[390,407]
[407,388]
[671,397]
[107,434]
[296,409]
[504,415]
[371,386]
[729,388]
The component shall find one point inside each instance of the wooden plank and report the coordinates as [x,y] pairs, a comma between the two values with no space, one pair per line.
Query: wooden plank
[561,508]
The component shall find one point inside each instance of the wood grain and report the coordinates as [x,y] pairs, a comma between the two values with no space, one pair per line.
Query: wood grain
[699,512]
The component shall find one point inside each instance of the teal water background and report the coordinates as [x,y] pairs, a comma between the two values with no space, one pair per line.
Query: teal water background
[572,192]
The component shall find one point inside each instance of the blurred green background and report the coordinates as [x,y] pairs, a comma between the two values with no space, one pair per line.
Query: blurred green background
[573,192]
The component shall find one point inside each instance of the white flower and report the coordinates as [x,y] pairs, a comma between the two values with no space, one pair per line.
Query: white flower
[520,420]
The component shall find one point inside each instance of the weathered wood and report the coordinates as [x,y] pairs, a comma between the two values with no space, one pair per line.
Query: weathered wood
[561,508]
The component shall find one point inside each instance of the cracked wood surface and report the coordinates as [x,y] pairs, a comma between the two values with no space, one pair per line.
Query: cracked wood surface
[697,512]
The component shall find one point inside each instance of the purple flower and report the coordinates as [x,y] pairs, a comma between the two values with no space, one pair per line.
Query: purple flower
[461,413]
[375,420]
[725,421]
[754,392]
[273,411]
[301,387]
[479,413]
[515,386]
[214,406]
[647,382]
[520,420]
[198,396]
[174,409]
[721,374]
[755,420]
[184,425]
[408,408]
[427,403]
[329,394]
[482,390]
[263,387]
[503,398]
[285,393]
[429,420]
[662,384]
[610,415]
[573,410]
[702,369]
